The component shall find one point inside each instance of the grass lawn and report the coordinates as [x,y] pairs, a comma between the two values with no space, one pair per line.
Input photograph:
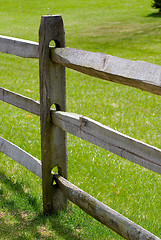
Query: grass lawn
[128,29]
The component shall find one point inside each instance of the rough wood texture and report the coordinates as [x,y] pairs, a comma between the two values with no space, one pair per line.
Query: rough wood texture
[20,156]
[107,216]
[20,101]
[109,139]
[19,47]
[138,74]
[52,91]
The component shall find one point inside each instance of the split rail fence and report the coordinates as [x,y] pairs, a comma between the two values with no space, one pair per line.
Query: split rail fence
[55,123]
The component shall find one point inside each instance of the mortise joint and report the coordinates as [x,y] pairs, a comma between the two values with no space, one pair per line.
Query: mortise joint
[55,107]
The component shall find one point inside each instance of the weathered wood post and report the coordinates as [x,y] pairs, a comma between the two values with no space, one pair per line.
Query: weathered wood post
[52,91]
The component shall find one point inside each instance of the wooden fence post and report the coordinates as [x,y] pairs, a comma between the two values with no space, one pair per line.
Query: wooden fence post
[52,91]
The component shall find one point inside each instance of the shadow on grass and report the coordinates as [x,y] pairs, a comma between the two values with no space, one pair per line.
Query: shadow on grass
[155,15]
[16,223]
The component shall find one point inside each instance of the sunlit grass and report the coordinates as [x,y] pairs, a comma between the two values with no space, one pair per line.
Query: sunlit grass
[127,29]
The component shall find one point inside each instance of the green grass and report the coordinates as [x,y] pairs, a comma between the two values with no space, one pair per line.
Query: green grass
[129,29]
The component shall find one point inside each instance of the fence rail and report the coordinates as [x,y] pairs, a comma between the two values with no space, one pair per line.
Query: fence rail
[104,214]
[21,157]
[55,123]
[20,101]
[138,74]
[109,139]
[19,47]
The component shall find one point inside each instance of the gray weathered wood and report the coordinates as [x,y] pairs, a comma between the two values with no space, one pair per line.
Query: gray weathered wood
[138,74]
[20,156]
[19,47]
[20,101]
[104,214]
[109,139]
[52,91]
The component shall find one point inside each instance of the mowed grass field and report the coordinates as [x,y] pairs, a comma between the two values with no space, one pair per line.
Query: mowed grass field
[128,29]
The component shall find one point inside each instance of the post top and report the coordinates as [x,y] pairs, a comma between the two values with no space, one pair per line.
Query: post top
[50,15]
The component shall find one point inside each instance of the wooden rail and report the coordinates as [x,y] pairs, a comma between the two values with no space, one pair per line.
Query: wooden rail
[19,47]
[20,156]
[55,124]
[138,74]
[109,139]
[104,214]
[20,101]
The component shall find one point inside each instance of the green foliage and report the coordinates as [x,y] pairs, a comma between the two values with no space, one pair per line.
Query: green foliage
[157,4]
[124,29]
